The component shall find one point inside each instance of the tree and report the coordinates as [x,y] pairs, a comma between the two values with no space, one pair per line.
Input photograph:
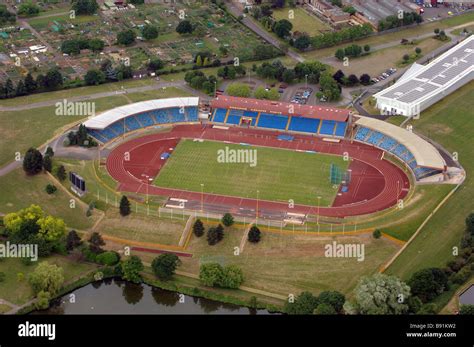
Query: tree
[406,57]
[418,50]
[436,31]
[33,161]
[85,7]
[72,240]
[126,37]
[30,83]
[96,242]
[428,283]
[46,277]
[198,228]
[381,294]
[227,220]
[108,258]
[232,277]
[149,32]
[165,265]
[334,299]
[47,163]
[125,209]
[302,42]
[184,27]
[254,234]
[238,89]
[6,17]
[51,229]
[49,151]
[96,45]
[364,79]
[214,235]
[155,64]
[131,269]
[377,234]
[305,303]
[352,80]
[61,173]
[20,89]
[42,300]
[94,77]
[283,28]
[470,223]
[210,274]
[324,309]
[340,54]
[28,9]
[366,48]
[329,87]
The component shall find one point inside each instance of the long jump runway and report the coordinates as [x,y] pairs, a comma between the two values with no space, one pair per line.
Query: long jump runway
[376,183]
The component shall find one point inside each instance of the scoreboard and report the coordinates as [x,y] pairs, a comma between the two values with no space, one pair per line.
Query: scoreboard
[77,181]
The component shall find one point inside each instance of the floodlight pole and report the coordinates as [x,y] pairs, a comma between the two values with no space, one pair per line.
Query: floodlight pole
[202,196]
[319,199]
[256,211]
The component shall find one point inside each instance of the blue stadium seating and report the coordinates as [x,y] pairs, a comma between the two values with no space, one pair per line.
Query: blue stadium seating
[398,150]
[387,143]
[98,135]
[272,121]
[422,172]
[340,129]
[145,119]
[362,133]
[162,117]
[131,123]
[192,114]
[117,127]
[219,115]
[303,124]
[251,114]
[234,116]
[412,164]
[327,127]
[177,114]
[375,137]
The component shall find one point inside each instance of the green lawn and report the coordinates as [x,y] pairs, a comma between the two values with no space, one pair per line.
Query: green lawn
[19,130]
[16,288]
[302,21]
[20,191]
[279,175]
[449,122]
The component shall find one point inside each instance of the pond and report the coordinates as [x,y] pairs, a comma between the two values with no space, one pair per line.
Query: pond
[114,296]
[467,297]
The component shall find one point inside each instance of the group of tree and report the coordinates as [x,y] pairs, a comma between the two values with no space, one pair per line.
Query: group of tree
[155,64]
[440,34]
[28,9]
[307,71]
[52,80]
[6,17]
[85,7]
[353,51]
[205,58]
[282,28]
[327,302]
[216,275]
[239,89]
[330,39]
[329,87]
[230,72]
[198,80]
[149,32]
[79,138]
[74,46]
[351,80]
[108,73]
[32,225]
[395,21]
[266,93]
[164,266]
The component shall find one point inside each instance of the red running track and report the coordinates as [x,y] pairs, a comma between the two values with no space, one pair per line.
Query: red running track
[376,185]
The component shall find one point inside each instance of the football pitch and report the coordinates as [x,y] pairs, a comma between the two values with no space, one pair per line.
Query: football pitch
[277,174]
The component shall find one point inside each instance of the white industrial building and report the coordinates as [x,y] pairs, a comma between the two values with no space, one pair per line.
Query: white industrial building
[424,85]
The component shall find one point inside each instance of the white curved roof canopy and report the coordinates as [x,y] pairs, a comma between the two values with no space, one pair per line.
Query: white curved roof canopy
[423,151]
[109,117]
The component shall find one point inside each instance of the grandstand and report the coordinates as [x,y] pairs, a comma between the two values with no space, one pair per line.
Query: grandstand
[422,86]
[281,116]
[420,156]
[116,122]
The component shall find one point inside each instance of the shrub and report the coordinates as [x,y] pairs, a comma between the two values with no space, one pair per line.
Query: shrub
[377,234]
[324,309]
[227,220]
[164,266]
[214,235]
[50,188]
[198,228]
[254,234]
[108,258]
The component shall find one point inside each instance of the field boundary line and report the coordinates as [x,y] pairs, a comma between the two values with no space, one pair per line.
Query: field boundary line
[410,240]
